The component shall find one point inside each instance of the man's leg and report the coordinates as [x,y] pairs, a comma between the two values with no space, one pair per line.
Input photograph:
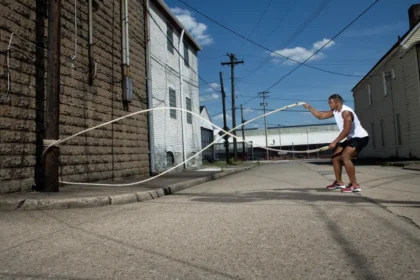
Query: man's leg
[338,165]
[346,156]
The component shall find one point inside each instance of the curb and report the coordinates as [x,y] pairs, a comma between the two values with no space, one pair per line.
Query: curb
[100,201]
[415,167]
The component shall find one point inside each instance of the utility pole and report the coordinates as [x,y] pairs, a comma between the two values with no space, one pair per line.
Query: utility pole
[243,133]
[264,104]
[232,63]
[51,160]
[224,117]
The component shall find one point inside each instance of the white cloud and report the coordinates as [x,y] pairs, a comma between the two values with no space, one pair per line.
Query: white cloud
[300,54]
[359,74]
[220,117]
[208,97]
[320,44]
[212,87]
[248,110]
[197,29]
[211,93]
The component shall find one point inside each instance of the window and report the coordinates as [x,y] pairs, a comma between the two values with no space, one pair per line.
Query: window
[170,159]
[384,81]
[387,79]
[398,125]
[186,55]
[382,133]
[370,94]
[189,115]
[172,103]
[372,132]
[170,37]
[393,75]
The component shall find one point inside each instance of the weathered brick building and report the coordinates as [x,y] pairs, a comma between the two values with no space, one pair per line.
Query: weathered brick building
[114,151]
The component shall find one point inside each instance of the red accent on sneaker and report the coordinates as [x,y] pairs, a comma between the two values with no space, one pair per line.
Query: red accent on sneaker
[335,186]
[351,188]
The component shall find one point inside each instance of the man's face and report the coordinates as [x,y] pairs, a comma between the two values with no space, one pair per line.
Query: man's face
[333,104]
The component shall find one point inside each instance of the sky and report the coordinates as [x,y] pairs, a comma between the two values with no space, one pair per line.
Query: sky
[292,28]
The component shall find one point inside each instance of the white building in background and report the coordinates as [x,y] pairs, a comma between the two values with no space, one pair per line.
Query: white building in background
[175,135]
[287,136]
[207,134]
[300,137]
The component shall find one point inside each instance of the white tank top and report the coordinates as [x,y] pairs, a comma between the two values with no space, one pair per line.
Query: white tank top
[356,131]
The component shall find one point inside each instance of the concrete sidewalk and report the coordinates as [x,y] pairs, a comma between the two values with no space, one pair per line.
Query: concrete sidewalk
[75,196]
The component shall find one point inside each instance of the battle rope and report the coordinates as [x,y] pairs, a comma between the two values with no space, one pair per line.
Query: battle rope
[190,158]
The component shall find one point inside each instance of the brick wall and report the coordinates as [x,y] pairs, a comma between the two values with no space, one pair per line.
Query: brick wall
[114,151]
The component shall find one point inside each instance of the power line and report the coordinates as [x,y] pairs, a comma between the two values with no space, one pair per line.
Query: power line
[292,37]
[265,48]
[258,22]
[281,19]
[326,44]
[307,22]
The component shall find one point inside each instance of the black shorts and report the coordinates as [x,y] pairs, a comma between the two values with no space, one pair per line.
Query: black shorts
[358,143]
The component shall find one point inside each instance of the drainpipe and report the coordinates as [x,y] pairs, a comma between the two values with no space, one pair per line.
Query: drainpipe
[92,63]
[182,95]
[127,38]
[123,40]
[75,31]
[389,77]
[149,88]
[127,86]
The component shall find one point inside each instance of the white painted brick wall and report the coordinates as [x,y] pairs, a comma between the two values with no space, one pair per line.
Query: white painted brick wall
[165,75]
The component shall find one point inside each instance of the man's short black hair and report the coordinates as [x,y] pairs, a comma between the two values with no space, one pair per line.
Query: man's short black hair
[336,97]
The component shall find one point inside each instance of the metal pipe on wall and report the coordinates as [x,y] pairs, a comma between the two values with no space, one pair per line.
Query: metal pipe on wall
[92,63]
[123,34]
[184,149]
[75,31]
[149,87]
[127,37]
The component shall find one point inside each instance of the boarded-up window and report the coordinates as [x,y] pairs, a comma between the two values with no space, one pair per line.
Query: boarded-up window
[186,55]
[170,37]
[189,115]
[382,133]
[398,124]
[172,103]
[372,132]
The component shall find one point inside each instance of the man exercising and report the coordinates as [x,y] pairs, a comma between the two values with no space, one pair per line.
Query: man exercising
[356,139]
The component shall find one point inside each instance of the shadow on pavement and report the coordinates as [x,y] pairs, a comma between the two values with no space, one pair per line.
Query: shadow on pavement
[356,259]
[8,275]
[297,194]
[104,237]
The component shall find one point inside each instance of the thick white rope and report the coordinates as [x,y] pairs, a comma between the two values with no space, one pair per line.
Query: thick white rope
[192,157]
